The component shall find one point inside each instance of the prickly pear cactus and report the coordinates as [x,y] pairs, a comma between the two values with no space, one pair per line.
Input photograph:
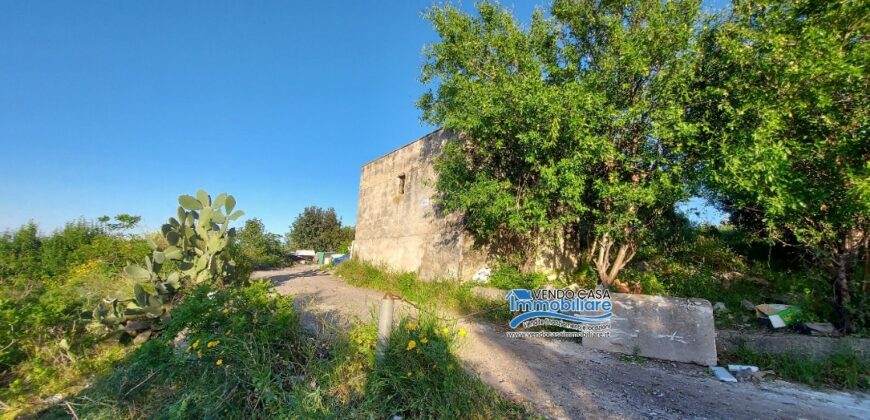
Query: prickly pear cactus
[197,245]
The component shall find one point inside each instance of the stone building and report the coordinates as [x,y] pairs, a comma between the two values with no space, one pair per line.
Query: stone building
[399,226]
[397,222]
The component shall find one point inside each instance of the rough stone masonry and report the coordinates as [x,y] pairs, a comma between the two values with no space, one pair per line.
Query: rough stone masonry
[399,225]
[397,222]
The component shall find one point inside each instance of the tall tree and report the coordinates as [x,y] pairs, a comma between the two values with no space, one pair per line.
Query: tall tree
[316,228]
[571,127]
[783,95]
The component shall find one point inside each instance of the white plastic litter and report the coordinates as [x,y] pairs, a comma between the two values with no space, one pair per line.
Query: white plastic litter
[482,275]
[738,368]
[722,374]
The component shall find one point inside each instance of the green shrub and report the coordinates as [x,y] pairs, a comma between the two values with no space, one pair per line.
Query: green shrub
[420,377]
[240,349]
[255,248]
[244,355]
[508,277]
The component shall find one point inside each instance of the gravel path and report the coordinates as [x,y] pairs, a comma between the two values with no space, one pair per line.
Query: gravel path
[565,380]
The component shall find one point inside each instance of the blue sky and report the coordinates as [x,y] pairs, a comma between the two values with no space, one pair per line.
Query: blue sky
[120,106]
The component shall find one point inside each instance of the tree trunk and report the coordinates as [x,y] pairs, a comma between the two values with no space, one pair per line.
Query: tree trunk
[841,292]
[608,269]
[846,263]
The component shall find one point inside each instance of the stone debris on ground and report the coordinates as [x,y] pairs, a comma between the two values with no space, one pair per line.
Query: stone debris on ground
[722,374]
[825,329]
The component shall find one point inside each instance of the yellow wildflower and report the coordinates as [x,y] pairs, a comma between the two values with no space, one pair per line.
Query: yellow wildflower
[213,343]
[411,326]
[199,353]
[446,330]
[462,332]
[195,344]
[424,340]
[411,345]
[219,362]
[226,311]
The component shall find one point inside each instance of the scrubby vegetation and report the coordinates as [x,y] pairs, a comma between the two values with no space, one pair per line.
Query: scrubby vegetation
[201,340]
[242,353]
[257,249]
[47,283]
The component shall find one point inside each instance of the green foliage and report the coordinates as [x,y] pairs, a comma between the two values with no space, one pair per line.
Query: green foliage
[241,348]
[347,234]
[224,368]
[43,347]
[843,370]
[507,277]
[196,243]
[783,110]
[420,377]
[123,222]
[705,265]
[575,124]
[318,229]
[20,254]
[255,247]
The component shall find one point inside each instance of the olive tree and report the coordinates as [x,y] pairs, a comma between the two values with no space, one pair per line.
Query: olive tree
[570,127]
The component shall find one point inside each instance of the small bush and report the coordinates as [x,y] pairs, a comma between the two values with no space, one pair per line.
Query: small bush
[420,377]
[508,277]
[237,353]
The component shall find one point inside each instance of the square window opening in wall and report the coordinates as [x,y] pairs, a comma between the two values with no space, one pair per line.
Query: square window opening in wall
[401,184]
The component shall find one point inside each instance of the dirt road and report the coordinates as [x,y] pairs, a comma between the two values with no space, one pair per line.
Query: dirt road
[565,380]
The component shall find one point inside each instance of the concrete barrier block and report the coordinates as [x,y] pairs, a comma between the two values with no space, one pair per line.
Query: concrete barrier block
[676,329]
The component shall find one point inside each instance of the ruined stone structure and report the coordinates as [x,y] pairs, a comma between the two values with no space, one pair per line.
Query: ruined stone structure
[399,226]
[397,222]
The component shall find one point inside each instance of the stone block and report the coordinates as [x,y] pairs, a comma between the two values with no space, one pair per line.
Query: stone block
[676,329]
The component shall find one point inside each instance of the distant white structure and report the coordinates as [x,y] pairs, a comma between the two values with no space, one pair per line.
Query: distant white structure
[305,253]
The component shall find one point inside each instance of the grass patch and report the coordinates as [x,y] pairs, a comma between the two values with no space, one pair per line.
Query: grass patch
[450,295]
[844,370]
[634,357]
[245,355]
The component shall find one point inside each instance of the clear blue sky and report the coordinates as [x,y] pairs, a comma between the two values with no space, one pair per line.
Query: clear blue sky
[120,106]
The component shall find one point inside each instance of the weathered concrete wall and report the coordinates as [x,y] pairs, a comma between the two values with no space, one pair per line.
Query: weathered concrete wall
[660,327]
[400,227]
